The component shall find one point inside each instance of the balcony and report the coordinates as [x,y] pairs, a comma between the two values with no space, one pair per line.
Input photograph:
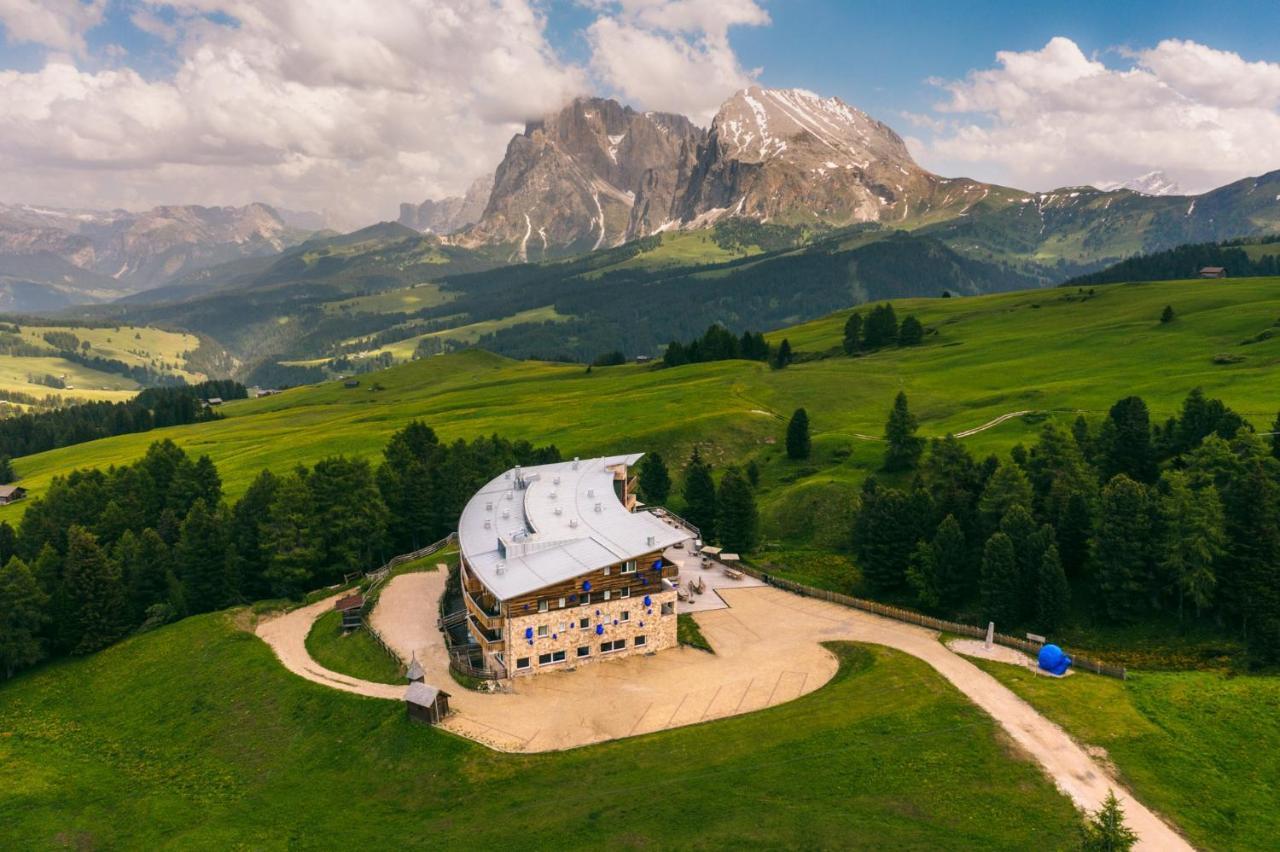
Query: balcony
[489,618]
[490,641]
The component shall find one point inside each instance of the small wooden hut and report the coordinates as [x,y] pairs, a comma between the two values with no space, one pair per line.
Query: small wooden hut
[415,674]
[351,607]
[426,704]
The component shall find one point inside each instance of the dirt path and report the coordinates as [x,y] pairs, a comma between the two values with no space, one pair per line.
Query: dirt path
[767,652]
[967,433]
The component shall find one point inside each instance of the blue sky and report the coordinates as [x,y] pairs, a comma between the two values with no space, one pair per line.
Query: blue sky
[356,105]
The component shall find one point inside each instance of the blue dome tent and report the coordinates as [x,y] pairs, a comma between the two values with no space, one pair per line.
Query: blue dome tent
[1053,660]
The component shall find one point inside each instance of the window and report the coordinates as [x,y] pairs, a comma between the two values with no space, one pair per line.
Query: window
[585,598]
[668,608]
[629,567]
[639,640]
[542,630]
[607,569]
[615,645]
[584,623]
[584,651]
[551,658]
[562,603]
[606,594]
[522,663]
[542,605]
[626,615]
[625,593]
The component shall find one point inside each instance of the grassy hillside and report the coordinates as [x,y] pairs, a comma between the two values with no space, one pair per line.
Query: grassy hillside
[137,346]
[1200,747]
[195,737]
[1054,351]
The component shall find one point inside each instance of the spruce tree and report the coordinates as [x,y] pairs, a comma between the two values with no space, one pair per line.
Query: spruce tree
[93,610]
[699,496]
[350,519]
[1275,437]
[1053,595]
[737,521]
[903,446]
[881,328]
[252,511]
[1192,540]
[1127,441]
[1007,487]
[798,443]
[203,560]
[922,575]
[954,563]
[1075,530]
[288,537]
[753,473]
[911,333]
[1122,549]
[886,530]
[1105,831]
[6,470]
[999,584]
[654,479]
[8,542]
[853,333]
[1166,316]
[783,356]
[23,614]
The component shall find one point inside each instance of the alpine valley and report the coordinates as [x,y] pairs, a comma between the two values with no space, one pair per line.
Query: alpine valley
[602,229]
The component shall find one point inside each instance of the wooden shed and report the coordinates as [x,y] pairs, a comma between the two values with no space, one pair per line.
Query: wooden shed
[1213,272]
[426,704]
[11,494]
[351,607]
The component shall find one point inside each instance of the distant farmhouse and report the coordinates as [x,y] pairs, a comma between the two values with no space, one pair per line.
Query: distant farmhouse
[557,569]
[1213,272]
[11,494]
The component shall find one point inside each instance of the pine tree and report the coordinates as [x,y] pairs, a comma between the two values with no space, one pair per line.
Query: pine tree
[1105,831]
[911,333]
[6,470]
[203,561]
[1007,487]
[886,530]
[753,473]
[8,542]
[922,575]
[699,496]
[1127,441]
[1122,549]
[881,328]
[654,479]
[1192,540]
[92,596]
[1166,316]
[999,584]
[798,443]
[782,357]
[1028,550]
[288,539]
[737,521]
[853,333]
[247,518]
[903,446]
[954,563]
[1075,529]
[23,614]
[1053,595]
[1275,437]
[350,519]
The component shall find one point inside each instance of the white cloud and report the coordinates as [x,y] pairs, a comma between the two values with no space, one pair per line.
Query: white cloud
[60,24]
[350,107]
[672,55]
[1054,117]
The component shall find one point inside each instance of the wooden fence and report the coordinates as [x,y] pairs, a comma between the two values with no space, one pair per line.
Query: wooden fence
[909,617]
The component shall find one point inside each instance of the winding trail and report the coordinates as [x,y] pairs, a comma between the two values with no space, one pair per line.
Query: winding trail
[768,652]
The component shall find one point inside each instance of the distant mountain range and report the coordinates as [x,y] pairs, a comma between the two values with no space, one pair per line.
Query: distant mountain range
[598,174]
[53,257]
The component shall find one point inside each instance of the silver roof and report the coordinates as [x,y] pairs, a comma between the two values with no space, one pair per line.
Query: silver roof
[421,694]
[536,526]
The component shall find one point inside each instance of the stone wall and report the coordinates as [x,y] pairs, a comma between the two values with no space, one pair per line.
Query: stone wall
[564,632]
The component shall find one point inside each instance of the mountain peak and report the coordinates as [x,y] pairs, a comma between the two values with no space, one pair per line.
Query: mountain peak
[1152,183]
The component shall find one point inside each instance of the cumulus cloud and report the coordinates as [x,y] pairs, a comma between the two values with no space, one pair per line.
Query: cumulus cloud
[349,107]
[59,24]
[672,55]
[1054,117]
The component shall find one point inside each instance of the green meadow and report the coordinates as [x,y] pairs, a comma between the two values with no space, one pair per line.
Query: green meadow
[1202,748]
[1055,352]
[194,737]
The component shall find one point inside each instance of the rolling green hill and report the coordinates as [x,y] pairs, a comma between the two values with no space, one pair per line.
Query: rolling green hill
[195,737]
[1056,352]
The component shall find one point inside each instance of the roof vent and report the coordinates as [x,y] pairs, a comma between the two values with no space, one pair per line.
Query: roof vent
[552,495]
[511,495]
[559,511]
[575,462]
[573,523]
[506,475]
[506,513]
[488,525]
[599,508]
[649,541]
[501,567]
[555,480]
[591,492]
[488,506]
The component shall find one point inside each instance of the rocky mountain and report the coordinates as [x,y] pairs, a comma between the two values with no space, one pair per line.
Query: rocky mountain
[570,181]
[77,256]
[449,214]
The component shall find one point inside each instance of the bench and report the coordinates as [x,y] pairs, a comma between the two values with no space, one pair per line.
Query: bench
[732,574]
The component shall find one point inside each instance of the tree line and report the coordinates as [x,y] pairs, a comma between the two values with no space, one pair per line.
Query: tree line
[103,554]
[880,329]
[1184,261]
[152,408]
[717,344]
[1137,518]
